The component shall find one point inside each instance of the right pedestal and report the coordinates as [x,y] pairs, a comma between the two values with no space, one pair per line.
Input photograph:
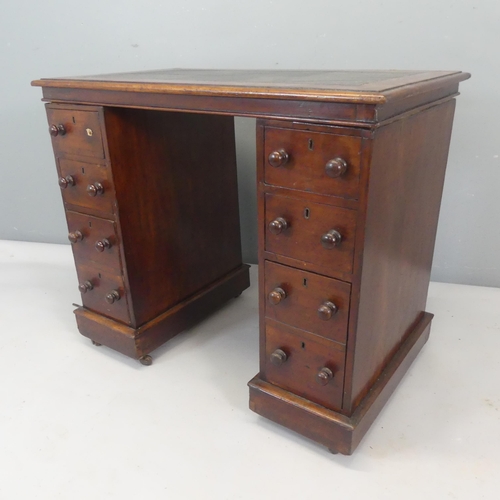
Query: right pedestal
[347,225]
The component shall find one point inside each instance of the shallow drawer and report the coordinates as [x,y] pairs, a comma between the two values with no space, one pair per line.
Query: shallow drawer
[305,364]
[307,301]
[86,185]
[75,132]
[311,232]
[94,240]
[103,292]
[313,161]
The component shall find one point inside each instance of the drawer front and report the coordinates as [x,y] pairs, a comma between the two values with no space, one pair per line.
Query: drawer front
[311,161]
[311,367]
[310,232]
[103,293]
[87,185]
[94,240]
[76,132]
[307,301]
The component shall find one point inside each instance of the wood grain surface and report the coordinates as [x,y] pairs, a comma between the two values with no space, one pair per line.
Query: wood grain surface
[343,86]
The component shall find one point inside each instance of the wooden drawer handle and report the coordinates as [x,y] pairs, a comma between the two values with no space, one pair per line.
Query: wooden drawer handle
[56,130]
[277,295]
[278,158]
[75,236]
[64,182]
[331,239]
[95,189]
[336,167]
[112,296]
[324,376]
[102,245]
[85,287]
[278,225]
[278,357]
[327,310]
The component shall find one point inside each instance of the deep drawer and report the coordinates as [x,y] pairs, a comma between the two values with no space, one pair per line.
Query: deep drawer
[307,301]
[307,231]
[75,132]
[103,292]
[305,364]
[94,240]
[313,161]
[86,185]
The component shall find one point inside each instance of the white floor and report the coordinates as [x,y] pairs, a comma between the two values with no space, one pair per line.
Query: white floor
[84,422]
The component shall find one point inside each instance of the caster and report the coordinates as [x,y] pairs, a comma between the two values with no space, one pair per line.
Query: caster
[96,343]
[332,451]
[146,360]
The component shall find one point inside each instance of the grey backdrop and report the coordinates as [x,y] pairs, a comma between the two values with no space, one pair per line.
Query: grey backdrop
[64,37]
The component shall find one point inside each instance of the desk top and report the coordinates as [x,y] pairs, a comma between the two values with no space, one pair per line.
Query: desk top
[369,87]
[360,98]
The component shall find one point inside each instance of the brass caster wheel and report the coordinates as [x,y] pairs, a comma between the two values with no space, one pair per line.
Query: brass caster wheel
[146,360]
[96,343]
[332,451]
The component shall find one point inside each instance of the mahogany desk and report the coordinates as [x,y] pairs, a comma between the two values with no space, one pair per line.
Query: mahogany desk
[350,171]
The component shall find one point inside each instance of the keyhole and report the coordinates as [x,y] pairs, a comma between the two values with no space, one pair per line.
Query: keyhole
[99,275]
[83,170]
[304,282]
[307,213]
[303,345]
[90,224]
[74,119]
[311,145]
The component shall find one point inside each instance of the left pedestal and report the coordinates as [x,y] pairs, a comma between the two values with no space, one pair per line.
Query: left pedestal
[151,203]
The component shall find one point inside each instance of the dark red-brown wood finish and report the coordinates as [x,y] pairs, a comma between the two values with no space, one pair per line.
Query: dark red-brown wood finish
[152,212]
[350,170]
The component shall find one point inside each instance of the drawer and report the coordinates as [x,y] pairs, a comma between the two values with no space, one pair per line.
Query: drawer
[103,292]
[307,301]
[75,132]
[86,185]
[313,161]
[94,240]
[311,232]
[305,364]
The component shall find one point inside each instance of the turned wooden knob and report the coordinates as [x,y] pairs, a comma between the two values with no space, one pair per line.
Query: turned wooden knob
[95,189]
[56,130]
[324,376]
[64,182]
[278,225]
[336,167]
[278,158]
[75,237]
[331,239]
[327,310]
[112,296]
[102,245]
[85,287]
[277,295]
[278,357]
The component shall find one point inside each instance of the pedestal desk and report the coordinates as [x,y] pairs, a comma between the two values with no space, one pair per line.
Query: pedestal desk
[350,171]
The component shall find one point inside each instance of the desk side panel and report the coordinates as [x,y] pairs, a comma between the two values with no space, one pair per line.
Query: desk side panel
[176,189]
[404,195]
